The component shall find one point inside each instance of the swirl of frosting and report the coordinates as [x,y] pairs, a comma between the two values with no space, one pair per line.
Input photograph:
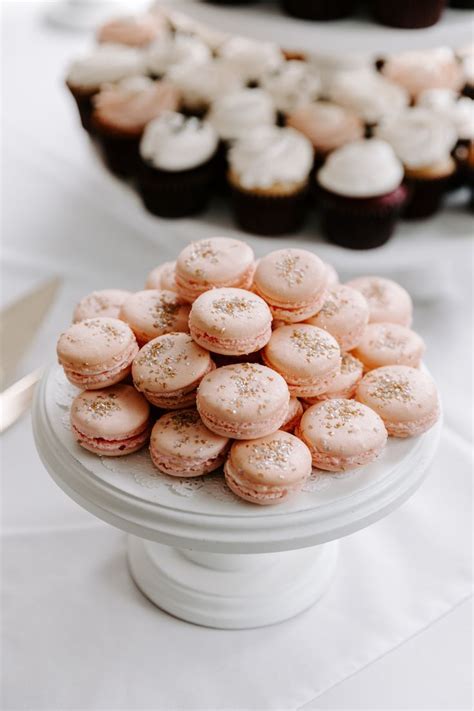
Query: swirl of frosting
[175,49]
[458,110]
[249,58]
[291,85]
[183,23]
[419,137]
[326,125]
[268,155]
[235,113]
[368,94]
[173,142]
[107,63]
[362,169]
[201,84]
[132,103]
[133,30]
[418,70]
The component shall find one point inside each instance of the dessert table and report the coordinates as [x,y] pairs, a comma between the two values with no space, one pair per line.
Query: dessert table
[393,630]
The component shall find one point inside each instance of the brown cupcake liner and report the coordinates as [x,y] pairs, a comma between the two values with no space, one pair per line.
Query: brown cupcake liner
[360,223]
[85,106]
[425,197]
[322,10]
[408,14]
[175,194]
[121,153]
[269,214]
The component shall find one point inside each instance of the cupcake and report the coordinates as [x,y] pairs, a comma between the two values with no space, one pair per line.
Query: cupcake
[293,84]
[108,63]
[133,30]
[460,111]
[319,9]
[176,166]
[327,126]
[408,14]
[121,112]
[361,194]
[201,84]
[368,94]
[467,68]
[250,59]
[182,23]
[268,174]
[419,70]
[423,141]
[175,49]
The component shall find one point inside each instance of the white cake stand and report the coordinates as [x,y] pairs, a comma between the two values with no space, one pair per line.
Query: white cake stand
[203,555]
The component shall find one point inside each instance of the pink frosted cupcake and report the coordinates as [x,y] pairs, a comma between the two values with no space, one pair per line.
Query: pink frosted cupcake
[133,30]
[120,114]
[419,70]
[361,194]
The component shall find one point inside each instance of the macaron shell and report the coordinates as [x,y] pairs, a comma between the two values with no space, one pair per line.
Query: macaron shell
[402,396]
[290,277]
[95,345]
[302,354]
[106,302]
[389,344]
[388,301]
[183,434]
[279,459]
[344,314]
[219,261]
[243,397]
[230,321]
[154,312]
[345,382]
[113,448]
[170,363]
[113,413]
[342,433]
[295,411]
[162,277]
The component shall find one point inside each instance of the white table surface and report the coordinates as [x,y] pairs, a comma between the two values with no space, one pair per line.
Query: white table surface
[63,214]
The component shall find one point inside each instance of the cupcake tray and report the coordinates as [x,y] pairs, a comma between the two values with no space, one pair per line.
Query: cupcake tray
[203,555]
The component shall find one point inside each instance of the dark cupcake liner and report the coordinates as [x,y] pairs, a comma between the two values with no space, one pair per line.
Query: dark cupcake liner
[175,194]
[425,197]
[360,223]
[460,176]
[468,90]
[408,14]
[120,152]
[462,4]
[85,106]
[322,10]
[270,215]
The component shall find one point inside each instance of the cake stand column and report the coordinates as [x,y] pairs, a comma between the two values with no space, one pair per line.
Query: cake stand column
[231,591]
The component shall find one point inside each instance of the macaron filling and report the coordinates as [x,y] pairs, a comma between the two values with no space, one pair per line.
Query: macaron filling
[115,446]
[185,466]
[252,491]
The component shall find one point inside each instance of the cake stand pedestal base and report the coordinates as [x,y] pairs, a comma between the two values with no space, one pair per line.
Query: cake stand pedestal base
[231,591]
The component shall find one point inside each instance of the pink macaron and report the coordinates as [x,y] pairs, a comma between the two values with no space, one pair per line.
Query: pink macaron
[162,277]
[268,470]
[230,321]
[293,283]
[306,356]
[389,344]
[154,312]
[111,422]
[332,275]
[295,411]
[388,301]
[215,262]
[345,383]
[406,399]
[243,401]
[344,314]
[97,352]
[107,302]
[168,369]
[342,434]
[181,445]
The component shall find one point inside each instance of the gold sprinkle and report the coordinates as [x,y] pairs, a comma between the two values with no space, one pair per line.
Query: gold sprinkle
[287,268]
[102,406]
[388,387]
[274,454]
[233,305]
[313,344]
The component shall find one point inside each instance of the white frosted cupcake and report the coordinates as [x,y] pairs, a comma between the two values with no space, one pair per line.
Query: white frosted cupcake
[291,85]
[107,64]
[232,115]
[418,70]
[174,50]
[268,173]
[251,59]
[361,194]
[423,141]
[200,84]
[177,164]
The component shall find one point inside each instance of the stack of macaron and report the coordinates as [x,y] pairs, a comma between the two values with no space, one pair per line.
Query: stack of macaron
[186,111]
[267,367]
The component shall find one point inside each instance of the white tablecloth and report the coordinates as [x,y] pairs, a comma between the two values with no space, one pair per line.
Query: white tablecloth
[76,632]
